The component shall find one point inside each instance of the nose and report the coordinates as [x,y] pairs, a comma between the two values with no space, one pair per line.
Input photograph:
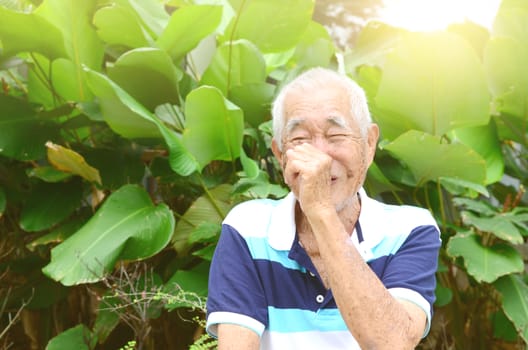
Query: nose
[322,144]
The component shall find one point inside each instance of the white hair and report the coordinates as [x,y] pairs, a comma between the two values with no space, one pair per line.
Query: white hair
[321,78]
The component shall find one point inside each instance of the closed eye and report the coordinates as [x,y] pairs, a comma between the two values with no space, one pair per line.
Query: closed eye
[298,140]
[338,137]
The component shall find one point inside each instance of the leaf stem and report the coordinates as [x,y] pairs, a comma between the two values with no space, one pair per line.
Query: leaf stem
[211,198]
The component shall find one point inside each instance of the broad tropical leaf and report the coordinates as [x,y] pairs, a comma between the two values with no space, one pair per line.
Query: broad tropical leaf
[60,232]
[235,64]
[83,46]
[500,225]
[485,264]
[514,292]
[22,134]
[436,159]
[147,67]
[79,337]
[189,287]
[187,27]
[374,41]
[50,203]
[315,48]
[505,58]
[485,141]
[272,25]
[126,227]
[39,34]
[129,118]
[255,100]
[210,208]
[445,86]
[214,126]
[117,167]
[142,21]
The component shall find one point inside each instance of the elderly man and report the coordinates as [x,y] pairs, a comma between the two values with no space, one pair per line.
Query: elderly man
[326,267]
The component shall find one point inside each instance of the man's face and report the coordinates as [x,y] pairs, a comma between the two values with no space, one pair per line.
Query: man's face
[323,119]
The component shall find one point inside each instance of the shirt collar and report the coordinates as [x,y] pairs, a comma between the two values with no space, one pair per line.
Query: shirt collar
[282,228]
[282,225]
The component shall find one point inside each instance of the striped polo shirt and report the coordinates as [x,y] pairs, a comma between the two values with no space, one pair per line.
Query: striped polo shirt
[261,278]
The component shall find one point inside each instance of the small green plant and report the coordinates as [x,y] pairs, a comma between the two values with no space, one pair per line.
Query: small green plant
[131,345]
[205,341]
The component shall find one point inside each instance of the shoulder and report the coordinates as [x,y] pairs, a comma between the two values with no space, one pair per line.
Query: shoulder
[250,216]
[387,227]
[402,216]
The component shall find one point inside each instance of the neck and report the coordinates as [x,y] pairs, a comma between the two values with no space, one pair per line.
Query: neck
[348,213]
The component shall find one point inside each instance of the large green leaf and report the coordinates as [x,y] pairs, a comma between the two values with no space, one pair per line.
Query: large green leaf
[433,82]
[79,337]
[272,25]
[235,64]
[315,48]
[113,20]
[214,126]
[485,141]
[209,208]
[429,159]
[505,58]
[187,27]
[189,287]
[255,101]
[73,18]
[151,67]
[123,114]
[126,227]
[153,15]
[510,21]
[62,231]
[129,118]
[459,187]
[50,203]
[22,134]
[514,292]
[374,41]
[377,182]
[485,264]
[116,166]
[29,32]
[500,225]
[141,20]
[82,44]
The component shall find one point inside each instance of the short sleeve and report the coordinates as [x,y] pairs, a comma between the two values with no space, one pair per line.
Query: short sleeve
[410,273]
[235,290]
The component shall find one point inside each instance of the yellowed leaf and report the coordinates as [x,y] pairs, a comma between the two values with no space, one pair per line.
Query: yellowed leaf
[64,159]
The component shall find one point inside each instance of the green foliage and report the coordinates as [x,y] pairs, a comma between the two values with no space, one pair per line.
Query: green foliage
[129,128]
[126,227]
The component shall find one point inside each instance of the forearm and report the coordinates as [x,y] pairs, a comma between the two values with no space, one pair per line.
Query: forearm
[375,318]
[234,337]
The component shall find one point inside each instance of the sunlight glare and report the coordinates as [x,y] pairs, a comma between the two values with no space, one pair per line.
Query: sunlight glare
[427,15]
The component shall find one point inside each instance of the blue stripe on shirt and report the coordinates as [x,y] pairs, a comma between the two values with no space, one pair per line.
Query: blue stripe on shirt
[294,320]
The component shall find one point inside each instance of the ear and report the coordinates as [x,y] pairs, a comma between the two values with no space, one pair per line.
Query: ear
[276,151]
[372,141]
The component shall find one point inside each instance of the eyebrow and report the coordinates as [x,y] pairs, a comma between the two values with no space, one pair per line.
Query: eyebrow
[334,120]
